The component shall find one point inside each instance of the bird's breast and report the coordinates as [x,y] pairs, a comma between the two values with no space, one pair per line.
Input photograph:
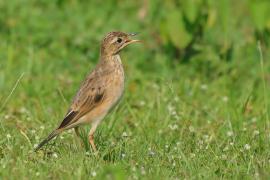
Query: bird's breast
[117,84]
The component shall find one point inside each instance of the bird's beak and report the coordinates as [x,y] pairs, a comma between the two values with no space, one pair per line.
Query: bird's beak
[130,41]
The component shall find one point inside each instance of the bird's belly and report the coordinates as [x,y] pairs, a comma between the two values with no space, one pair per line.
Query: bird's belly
[115,92]
[116,87]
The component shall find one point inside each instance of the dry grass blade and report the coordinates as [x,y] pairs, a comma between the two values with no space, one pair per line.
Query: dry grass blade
[11,92]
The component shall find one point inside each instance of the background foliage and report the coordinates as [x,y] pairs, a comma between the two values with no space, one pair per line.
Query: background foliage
[197,91]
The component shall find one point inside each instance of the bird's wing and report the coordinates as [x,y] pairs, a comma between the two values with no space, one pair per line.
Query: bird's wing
[91,94]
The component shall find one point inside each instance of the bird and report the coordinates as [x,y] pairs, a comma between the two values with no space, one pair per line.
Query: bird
[99,92]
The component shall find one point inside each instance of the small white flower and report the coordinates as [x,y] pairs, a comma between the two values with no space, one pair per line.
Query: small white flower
[8,136]
[113,143]
[247,147]
[191,129]
[231,143]
[125,134]
[87,153]
[142,103]
[6,116]
[151,153]
[173,126]
[223,156]
[204,87]
[229,133]
[173,113]
[206,136]
[94,174]
[171,108]
[35,145]
[254,119]
[133,168]
[226,148]
[55,155]
[225,99]
[200,142]
[23,110]
[256,132]
[42,127]
[123,155]
[166,146]
[192,155]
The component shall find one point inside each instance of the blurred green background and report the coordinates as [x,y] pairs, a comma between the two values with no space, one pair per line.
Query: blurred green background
[197,93]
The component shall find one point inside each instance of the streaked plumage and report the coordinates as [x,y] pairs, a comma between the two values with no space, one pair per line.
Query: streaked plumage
[100,91]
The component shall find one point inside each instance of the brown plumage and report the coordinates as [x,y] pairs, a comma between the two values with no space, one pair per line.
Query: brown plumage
[100,91]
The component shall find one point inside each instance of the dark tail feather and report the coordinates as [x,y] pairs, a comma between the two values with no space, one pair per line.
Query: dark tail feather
[45,141]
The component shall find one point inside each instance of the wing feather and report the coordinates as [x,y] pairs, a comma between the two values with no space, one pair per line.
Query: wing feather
[69,117]
[90,95]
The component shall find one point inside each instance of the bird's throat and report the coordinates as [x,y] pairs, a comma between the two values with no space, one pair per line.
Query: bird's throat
[117,58]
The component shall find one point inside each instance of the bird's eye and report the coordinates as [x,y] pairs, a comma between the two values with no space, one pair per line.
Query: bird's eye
[119,40]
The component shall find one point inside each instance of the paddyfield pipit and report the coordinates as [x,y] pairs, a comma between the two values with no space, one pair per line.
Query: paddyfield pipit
[100,91]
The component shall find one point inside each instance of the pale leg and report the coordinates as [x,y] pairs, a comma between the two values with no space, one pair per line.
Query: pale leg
[91,141]
[91,134]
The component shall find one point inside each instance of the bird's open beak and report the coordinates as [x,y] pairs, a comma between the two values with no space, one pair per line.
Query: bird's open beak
[130,41]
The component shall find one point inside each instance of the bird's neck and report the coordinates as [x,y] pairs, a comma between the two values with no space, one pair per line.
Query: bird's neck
[116,58]
[111,59]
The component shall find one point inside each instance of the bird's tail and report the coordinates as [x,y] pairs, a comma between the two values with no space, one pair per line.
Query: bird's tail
[45,141]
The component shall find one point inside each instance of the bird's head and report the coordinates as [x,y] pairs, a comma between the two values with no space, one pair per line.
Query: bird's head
[114,42]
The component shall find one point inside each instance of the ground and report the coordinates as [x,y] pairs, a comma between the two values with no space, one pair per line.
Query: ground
[197,119]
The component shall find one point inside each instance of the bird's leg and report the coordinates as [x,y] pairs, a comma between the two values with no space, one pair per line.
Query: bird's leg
[91,134]
[91,141]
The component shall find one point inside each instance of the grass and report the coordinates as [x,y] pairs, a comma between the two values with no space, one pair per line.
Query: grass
[202,119]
